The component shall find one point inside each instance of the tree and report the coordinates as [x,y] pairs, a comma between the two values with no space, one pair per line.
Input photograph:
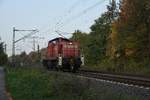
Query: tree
[3,56]
[112,15]
[132,28]
[99,34]
[94,44]
[84,40]
[112,11]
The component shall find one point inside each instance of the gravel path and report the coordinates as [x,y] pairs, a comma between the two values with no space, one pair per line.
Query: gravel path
[2,85]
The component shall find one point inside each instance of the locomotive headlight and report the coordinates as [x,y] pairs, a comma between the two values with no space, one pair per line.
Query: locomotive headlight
[70,43]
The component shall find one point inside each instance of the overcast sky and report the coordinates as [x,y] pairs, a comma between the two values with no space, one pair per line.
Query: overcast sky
[47,16]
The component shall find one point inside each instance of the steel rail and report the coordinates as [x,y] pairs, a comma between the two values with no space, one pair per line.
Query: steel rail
[131,80]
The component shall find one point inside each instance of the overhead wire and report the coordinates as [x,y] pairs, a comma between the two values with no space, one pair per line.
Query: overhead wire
[60,34]
[59,24]
[71,9]
[82,13]
[75,5]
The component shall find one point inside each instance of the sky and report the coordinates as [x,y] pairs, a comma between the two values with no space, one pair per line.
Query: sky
[47,16]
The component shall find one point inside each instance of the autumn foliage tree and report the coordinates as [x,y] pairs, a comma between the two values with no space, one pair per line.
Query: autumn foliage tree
[131,30]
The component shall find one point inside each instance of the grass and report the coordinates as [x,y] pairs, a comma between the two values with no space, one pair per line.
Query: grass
[27,84]
[129,66]
[38,84]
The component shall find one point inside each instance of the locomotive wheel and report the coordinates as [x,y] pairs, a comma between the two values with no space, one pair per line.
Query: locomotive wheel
[71,68]
[57,68]
[49,65]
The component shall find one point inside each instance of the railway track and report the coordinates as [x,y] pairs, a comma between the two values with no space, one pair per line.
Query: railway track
[133,80]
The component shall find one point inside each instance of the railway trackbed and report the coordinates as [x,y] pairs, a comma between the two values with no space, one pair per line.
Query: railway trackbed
[138,81]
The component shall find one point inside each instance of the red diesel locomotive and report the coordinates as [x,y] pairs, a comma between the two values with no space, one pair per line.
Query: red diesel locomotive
[63,54]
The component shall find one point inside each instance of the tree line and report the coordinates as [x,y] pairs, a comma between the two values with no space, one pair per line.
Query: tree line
[120,36]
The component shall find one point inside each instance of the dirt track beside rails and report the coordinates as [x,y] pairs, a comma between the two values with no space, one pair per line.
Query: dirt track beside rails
[3,95]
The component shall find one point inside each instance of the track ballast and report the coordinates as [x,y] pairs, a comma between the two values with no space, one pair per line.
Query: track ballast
[134,80]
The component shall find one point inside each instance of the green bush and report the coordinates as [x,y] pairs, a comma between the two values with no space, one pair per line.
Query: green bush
[38,84]
[3,58]
[137,67]
[127,66]
[27,83]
